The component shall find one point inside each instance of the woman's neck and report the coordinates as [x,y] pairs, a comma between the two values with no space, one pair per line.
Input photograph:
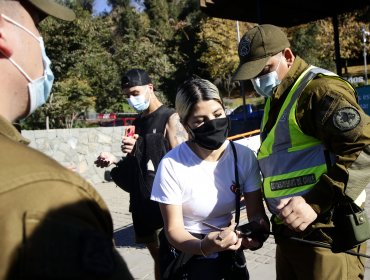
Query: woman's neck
[207,155]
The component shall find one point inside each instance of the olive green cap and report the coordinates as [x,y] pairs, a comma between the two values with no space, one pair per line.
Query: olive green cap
[256,47]
[52,8]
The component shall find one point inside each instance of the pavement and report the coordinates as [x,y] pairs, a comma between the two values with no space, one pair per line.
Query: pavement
[260,263]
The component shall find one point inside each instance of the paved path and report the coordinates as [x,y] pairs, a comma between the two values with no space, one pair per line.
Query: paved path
[261,263]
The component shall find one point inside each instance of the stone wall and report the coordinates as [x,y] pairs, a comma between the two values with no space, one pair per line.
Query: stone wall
[78,148]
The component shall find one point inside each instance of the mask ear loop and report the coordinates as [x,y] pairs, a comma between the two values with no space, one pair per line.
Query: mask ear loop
[281,56]
[8,19]
[190,131]
[20,69]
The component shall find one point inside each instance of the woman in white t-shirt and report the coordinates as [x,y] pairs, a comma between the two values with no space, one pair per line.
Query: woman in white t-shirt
[194,184]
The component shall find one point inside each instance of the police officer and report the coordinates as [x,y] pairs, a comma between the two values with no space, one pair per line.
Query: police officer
[53,224]
[314,140]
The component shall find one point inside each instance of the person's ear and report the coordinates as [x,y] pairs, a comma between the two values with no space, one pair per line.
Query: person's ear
[5,48]
[289,56]
[151,87]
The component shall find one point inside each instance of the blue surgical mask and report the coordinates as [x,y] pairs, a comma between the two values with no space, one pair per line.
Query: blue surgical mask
[38,89]
[265,84]
[139,102]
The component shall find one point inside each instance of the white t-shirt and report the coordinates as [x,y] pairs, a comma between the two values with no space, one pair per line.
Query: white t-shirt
[203,187]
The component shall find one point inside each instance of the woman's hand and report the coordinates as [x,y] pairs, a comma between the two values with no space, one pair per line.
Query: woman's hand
[260,231]
[258,220]
[217,241]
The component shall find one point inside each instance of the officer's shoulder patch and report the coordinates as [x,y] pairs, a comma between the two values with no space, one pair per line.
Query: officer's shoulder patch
[346,118]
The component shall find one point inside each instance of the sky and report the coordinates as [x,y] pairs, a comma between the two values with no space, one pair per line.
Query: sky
[101,6]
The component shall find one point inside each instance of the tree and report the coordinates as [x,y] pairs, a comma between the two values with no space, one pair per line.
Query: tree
[172,40]
[158,13]
[74,97]
[349,34]
[221,42]
[220,54]
[315,41]
[304,44]
[85,73]
[184,48]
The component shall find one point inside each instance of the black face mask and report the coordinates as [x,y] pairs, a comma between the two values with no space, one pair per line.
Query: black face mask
[212,134]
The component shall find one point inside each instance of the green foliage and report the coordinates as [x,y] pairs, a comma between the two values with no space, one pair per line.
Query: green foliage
[219,44]
[65,107]
[315,41]
[304,44]
[138,45]
[157,11]
[86,77]
[145,54]
[184,49]
[171,40]
[130,21]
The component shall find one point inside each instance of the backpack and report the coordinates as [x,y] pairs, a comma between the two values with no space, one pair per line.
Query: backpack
[135,173]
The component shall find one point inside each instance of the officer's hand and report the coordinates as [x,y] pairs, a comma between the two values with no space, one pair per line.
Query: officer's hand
[105,159]
[128,143]
[296,213]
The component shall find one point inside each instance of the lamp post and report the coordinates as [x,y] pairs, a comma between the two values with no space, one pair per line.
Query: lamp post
[364,34]
[241,82]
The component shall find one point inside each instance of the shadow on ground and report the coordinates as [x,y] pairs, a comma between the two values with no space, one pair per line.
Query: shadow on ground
[125,237]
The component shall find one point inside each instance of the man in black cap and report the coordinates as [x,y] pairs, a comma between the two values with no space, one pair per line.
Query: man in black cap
[314,140]
[53,224]
[158,129]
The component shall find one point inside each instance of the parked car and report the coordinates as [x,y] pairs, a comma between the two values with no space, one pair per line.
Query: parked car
[252,121]
[252,112]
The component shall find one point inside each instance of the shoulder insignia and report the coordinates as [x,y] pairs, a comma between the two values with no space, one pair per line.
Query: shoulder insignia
[346,118]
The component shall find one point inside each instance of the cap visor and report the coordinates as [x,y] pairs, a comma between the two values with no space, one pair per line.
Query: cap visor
[250,69]
[50,7]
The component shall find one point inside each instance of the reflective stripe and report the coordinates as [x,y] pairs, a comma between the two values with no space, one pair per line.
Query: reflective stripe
[280,139]
[285,161]
[315,171]
[289,183]
[283,123]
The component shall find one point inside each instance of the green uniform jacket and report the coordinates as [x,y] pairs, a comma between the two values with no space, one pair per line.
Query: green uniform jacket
[328,110]
[53,224]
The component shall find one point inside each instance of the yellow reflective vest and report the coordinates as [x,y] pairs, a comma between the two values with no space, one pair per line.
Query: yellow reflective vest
[291,162]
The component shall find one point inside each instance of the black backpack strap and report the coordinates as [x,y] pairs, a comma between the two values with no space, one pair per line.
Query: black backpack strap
[237,189]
